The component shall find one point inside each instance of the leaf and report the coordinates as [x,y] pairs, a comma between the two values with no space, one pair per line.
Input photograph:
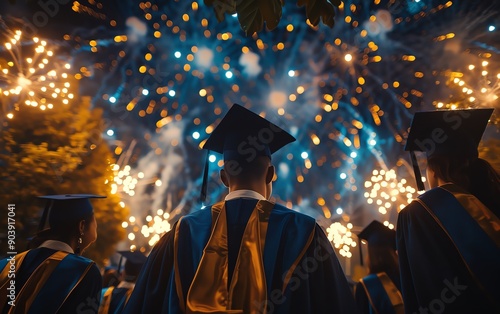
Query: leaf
[222,7]
[317,10]
[253,13]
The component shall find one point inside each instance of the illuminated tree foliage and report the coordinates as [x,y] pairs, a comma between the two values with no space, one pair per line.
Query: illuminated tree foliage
[58,151]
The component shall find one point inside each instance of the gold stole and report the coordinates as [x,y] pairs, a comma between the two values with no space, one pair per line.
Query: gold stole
[36,282]
[4,277]
[484,217]
[208,292]
[392,292]
[106,301]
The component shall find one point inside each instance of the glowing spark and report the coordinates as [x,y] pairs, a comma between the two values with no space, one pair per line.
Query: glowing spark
[31,76]
[385,191]
[341,237]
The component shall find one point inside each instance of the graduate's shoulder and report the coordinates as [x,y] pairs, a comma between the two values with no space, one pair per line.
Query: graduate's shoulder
[42,253]
[417,206]
[201,215]
[292,219]
[81,259]
[418,215]
[198,214]
[83,265]
[287,212]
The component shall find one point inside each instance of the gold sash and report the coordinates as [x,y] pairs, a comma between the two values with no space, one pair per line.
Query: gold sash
[4,276]
[484,217]
[393,293]
[36,282]
[208,292]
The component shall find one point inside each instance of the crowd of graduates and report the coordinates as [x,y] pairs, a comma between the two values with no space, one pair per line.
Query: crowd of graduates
[246,254]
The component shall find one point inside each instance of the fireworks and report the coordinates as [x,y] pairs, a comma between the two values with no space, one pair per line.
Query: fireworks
[347,94]
[31,75]
[123,181]
[152,227]
[476,87]
[341,237]
[386,192]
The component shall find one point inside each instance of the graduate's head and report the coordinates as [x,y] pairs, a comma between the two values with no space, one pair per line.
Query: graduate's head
[258,171]
[381,242]
[71,219]
[133,264]
[450,139]
[247,142]
[110,277]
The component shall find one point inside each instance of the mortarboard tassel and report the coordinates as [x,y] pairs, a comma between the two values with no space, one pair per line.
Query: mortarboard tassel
[119,266]
[360,252]
[203,195]
[416,169]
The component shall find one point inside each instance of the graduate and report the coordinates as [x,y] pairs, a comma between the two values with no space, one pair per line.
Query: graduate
[379,292]
[114,299]
[110,277]
[243,254]
[448,239]
[52,277]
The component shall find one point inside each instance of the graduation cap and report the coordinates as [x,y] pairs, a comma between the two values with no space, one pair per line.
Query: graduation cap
[66,208]
[376,234]
[446,132]
[242,136]
[133,263]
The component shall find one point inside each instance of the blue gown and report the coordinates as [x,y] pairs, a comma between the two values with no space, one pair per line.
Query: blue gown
[300,273]
[118,299]
[448,263]
[73,286]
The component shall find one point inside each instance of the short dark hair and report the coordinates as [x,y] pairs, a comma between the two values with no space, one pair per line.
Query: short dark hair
[249,170]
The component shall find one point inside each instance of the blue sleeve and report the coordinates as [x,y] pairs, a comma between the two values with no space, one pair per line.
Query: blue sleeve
[86,296]
[318,284]
[152,289]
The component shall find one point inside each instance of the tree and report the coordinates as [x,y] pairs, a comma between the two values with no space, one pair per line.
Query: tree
[58,151]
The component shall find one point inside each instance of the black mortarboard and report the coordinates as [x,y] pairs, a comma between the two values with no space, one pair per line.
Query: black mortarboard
[242,135]
[376,234]
[133,264]
[66,208]
[446,132]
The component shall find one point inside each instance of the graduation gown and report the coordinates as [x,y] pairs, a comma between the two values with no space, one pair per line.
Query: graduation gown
[243,256]
[51,281]
[378,293]
[114,299]
[449,253]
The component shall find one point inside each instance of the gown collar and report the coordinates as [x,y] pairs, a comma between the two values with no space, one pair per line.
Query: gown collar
[244,194]
[57,245]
